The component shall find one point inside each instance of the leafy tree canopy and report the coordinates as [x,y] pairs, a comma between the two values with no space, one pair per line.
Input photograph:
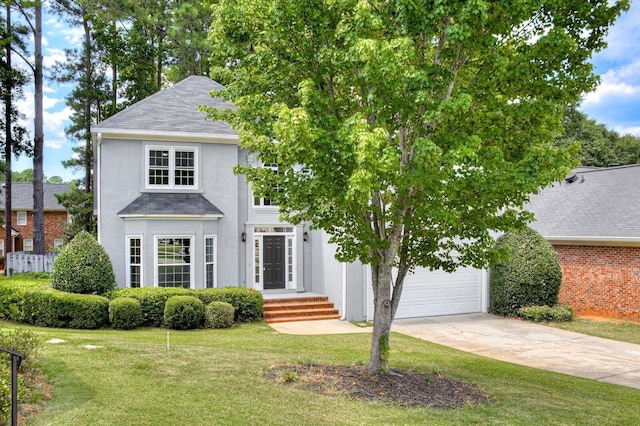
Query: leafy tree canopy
[599,146]
[408,130]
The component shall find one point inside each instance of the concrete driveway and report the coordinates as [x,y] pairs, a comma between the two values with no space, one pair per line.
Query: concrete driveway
[510,340]
[532,345]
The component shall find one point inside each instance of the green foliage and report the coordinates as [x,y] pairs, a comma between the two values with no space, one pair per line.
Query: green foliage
[33,302]
[83,266]
[26,344]
[183,312]
[546,313]
[248,303]
[52,308]
[599,146]
[152,301]
[531,276]
[5,393]
[79,204]
[125,313]
[421,129]
[218,315]
[22,341]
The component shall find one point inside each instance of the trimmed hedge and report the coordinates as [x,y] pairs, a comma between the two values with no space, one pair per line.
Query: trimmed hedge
[531,276]
[83,266]
[31,303]
[183,313]
[34,302]
[125,313]
[248,303]
[546,313]
[152,301]
[218,315]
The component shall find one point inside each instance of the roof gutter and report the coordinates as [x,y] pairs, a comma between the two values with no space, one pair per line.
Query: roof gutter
[167,136]
[594,241]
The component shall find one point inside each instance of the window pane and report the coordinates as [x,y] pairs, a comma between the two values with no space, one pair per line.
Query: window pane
[209,259]
[135,262]
[158,167]
[174,276]
[174,262]
[184,168]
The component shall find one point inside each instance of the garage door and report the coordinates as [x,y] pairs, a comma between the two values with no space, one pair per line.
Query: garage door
[431,293]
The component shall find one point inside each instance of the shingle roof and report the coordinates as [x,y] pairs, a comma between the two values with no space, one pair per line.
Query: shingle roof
[169,204]
[174,109]
[600,203]
[22,196]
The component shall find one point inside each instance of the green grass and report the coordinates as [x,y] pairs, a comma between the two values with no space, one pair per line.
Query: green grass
[615,330]
[216,377]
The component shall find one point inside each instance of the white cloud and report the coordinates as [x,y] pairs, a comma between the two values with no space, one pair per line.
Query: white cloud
[623,130]
[619,83]
[53,55]
[54,124]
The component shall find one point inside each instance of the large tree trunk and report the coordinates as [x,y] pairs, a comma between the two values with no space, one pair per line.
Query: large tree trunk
[38,143]
[382,316]
[7,147]
[88,184]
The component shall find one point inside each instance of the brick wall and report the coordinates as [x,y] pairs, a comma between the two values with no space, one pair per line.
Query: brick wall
[601,281]
[54,224]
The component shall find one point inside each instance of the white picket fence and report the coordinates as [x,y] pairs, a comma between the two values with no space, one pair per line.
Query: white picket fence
[17,262]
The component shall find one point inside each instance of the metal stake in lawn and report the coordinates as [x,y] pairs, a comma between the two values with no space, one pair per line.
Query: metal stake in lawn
[168,348]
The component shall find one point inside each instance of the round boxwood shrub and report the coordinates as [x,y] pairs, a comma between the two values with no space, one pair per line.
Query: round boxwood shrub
[83,266]
[152,301]
[531,276]
[248,303]
[183,312]
[125,313]
[218,315]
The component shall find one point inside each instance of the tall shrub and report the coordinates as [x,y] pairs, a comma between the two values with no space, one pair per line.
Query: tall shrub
[531,276]
[83,266]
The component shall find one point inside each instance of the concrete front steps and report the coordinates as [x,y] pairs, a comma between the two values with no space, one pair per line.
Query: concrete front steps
[311,308]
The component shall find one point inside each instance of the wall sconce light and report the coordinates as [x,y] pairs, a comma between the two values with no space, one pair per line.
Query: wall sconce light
[305,236]
[244,236]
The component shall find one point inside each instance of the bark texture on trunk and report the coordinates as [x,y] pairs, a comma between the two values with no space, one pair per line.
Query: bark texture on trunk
[38,143]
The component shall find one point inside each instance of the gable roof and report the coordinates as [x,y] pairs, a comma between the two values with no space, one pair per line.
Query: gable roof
[22,196]
[161,204]
[172,110]
[602,205]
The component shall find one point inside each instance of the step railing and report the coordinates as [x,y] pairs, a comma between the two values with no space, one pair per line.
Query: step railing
[16,360]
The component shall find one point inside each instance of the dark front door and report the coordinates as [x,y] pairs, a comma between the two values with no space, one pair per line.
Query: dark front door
[273,262]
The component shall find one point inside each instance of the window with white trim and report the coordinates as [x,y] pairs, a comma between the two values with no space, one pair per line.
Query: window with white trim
[28,245]
[173,261]
[171,167]
[134,261]
[22,219]
[210,264]
[266,202]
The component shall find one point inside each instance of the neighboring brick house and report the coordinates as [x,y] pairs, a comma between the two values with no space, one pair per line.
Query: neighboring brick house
[593,221]
[56,217]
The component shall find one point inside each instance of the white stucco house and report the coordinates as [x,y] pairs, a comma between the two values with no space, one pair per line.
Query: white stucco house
[171,212]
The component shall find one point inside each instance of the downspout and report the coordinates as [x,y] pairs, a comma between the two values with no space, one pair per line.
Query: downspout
[96,184]
[344,291]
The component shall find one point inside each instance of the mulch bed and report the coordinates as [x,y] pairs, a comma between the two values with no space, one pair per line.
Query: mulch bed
[402,387]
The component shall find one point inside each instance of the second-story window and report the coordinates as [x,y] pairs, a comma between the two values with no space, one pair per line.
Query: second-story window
[22,218]
[171,167]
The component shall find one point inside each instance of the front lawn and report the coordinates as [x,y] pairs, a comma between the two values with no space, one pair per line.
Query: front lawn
[623,331]
[207,377]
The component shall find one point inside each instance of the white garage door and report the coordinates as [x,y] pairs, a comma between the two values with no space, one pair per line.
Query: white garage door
[431,293]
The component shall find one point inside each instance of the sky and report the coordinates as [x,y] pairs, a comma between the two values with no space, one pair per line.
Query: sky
[616,102]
